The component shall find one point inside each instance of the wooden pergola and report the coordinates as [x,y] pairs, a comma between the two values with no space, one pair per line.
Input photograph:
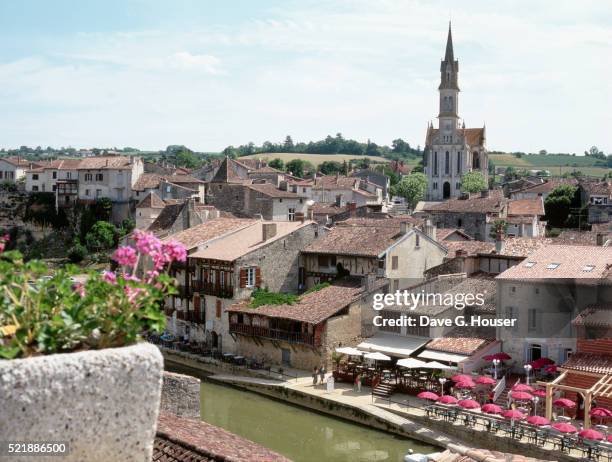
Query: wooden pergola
[602,389]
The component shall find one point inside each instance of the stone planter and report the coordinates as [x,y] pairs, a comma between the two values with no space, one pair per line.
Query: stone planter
[104,404]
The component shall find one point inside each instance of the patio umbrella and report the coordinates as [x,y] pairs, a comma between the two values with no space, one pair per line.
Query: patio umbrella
[609,438]
[591,434]
[564,403]
[437,365]
[538,420]
[492,409]
[411,363]
[447,399]
[349,351]
[501,356]
[465,385]
[514,414]
[541,362]
[376,356]
[564,427]
[521,395]
[522,387]
[486,381]
[600,412]
[428,395]
[469,404]
[540,393]
[551,369]
[461,378]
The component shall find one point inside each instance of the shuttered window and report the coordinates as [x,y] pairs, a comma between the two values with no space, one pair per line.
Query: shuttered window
[218,309]
[250,277]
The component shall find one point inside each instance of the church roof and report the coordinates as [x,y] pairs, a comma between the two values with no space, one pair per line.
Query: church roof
[473,136]
[449,57]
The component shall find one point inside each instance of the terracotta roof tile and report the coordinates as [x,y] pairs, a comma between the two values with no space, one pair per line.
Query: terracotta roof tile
[151,200]
[229,172]
[590,362]
[573,237]
[208,230]
[547,186]
[188,440]
[493,203]
[268,189]
[166,218]
[20,162]
[335,182]
[462,343]
[596,315]
[469,247]
[147,181]
[444,233]
[599,188]
[105,162]
[533,206]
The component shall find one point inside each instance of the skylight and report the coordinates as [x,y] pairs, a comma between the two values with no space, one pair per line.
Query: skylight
[530,264]
[588,268]
[552,265]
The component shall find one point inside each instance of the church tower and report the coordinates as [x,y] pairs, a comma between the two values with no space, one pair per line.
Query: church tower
[451,150]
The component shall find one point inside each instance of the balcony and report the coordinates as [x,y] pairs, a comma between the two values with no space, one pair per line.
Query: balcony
[273,334]
[208,288]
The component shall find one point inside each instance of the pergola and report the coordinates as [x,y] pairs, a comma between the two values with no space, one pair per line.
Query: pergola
[602,389]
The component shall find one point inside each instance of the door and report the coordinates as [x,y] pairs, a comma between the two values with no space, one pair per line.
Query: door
[286,356]
[446,190]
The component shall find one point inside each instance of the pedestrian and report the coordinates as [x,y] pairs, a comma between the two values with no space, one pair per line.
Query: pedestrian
[359,383]
[355,382]
[322,374]
[314,376]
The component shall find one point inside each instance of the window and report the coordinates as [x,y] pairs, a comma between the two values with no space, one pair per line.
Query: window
[447,163]
[68,175]
[395,285]
[323,261]
[537,290]
[87,192]
[54,188]
[34,188]
[99,177]
[35,176]
[459,162]
[513,289]
[417,242]
[533,317]
[54,175]
[588,268]
[98,192]
[303,189]
[435,185]
[435,164]
[222,278]
[552,266]
[381,263]
[457,186]
[394,262]
[250,277]
[88,177]
[459,222]
[530,264]
[291,214]
[218,309]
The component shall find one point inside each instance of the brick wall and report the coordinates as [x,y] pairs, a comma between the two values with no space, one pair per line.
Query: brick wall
[180,395]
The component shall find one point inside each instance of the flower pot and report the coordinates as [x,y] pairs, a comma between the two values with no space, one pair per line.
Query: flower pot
[102,403]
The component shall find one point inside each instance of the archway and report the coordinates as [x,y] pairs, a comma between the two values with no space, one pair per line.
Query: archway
[214,339]
[446,190]
[475,161]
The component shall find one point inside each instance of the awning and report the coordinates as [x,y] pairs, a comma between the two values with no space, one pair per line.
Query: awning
[399,346]
[411,363]
[442,356]
[349,351]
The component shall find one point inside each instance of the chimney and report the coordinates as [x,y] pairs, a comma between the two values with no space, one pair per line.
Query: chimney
[600,239]
[404,227]
[340,200]
[368,282]
[484,193]
[500,243]
[268,231]
[311,214]
[430,230]
[351,207]
[283,186]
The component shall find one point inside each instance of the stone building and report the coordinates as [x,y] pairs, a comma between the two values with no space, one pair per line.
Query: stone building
[523,217]
[229,258]
[597,197]
[451,150]
[391,248]
[304,334]
[379,179]
[544,293]
[13,169]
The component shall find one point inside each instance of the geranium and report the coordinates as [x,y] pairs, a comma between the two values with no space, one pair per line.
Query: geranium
[147,243]
[175,251]
[126,256]
[109,276]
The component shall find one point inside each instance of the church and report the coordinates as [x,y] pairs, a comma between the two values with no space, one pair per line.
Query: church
[451,150]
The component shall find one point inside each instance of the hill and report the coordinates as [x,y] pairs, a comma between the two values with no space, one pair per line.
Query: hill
[557,164]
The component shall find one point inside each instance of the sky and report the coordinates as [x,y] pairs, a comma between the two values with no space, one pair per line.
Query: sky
[147,74]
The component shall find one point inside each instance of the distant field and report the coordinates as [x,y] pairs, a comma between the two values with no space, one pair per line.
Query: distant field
[556,164]
[315,159]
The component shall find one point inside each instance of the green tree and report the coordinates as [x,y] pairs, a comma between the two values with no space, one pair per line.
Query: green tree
[296,167]
[473,182]
[499,228]
[330,167]
[288,144]
[101,237]
[77,252]
[412,188]
[277,164]
[558,205]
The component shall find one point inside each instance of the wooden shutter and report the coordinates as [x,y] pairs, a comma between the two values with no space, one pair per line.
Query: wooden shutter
[196,307]
[243,277]
[218,308]
[257,277]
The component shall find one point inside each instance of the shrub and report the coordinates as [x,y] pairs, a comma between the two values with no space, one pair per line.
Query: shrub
[264,297]
[44,315]
[77,252]
[101,237]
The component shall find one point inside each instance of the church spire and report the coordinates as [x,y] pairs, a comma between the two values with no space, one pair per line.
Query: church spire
[449,57]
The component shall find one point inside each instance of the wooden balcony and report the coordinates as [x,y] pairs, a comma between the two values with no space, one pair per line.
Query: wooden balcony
[273,334]
[217,290]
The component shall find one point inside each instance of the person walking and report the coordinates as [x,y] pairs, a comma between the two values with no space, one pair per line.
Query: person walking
[355,382]
[322,374]
[359,380]
[314,376]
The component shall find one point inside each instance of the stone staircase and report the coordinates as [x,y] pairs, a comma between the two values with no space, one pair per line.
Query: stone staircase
[383,390]
[511,380]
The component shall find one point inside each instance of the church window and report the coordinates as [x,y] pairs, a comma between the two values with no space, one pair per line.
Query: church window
[435,185]
[447,163]
[435,163]
[476,161]
[459,162]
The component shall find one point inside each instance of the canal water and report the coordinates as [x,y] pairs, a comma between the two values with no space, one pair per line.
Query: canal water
[299,434]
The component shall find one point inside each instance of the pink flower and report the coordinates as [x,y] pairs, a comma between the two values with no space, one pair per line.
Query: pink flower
[174,251]
[133,292]
[125,256]
[109,277]
[80,289]
[131,277]
[159,260]
[152,275]
[147,243]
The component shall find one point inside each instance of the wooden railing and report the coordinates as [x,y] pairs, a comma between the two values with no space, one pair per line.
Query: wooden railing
[275,334]
[218,290]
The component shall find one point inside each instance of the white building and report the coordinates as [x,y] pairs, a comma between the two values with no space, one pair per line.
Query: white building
[111,177]
[13,169]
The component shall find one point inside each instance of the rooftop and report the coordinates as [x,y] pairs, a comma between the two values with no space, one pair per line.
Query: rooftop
[493,203]
[211,229]
[563,261]
[547,186]
[533,206]
[230,172]
[314,307]
[246,236]
[105,162]
[596,315]
[268,189]
[151,200]
[335,182]
[590,362]
[462,340]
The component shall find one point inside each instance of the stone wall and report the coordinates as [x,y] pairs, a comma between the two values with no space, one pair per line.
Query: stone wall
[301,356]
[473,224]
[180,395]
[228,198]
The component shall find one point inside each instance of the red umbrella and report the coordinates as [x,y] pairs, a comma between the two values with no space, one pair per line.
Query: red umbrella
[489,357]
[591,434]
[514,414]
[610,438]
[486,381]
[469,404]
[502,356]
[428,395]
[540,393]
[538,363]
[465,385]
[461,378]
[600,412]
[564,427]
[564,402]
[447,399]
[522,387]
[538,420]
[492,409]
[521,395]
[551,369]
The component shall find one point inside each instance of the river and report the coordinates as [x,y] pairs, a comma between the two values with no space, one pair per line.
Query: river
[299,434]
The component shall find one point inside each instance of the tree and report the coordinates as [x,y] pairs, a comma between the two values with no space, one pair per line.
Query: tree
[510,173]
[473,182]
[498,230]
[296,167]
[330,167]
[101,237]
[277,164]
[558,204]
[288,144]
[542,152]
[595,152]
[411,187]
[77,252]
